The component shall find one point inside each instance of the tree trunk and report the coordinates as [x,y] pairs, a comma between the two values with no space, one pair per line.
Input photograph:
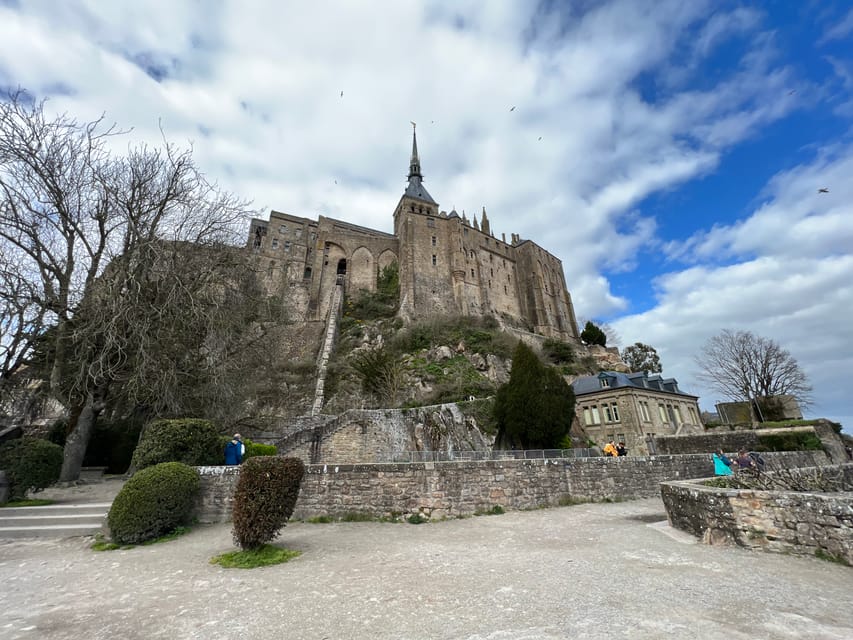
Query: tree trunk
[78,440]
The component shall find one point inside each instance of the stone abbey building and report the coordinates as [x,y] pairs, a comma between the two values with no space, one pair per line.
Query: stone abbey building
[448,265]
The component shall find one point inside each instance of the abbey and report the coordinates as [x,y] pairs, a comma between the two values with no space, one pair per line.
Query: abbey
[448,265]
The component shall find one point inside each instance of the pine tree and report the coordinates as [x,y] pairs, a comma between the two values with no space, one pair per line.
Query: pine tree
[591,334]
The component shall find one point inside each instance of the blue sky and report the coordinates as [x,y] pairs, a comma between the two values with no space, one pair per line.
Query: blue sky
[669,153]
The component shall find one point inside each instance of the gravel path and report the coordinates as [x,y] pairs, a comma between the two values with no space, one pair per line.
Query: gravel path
[588,571]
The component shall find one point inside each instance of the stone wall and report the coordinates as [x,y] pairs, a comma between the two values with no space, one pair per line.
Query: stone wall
[801,523]
[451,489]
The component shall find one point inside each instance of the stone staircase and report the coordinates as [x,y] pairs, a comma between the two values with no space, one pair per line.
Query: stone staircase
[328,344]
[53,521]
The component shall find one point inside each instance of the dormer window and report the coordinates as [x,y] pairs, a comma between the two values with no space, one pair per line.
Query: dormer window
[605,382]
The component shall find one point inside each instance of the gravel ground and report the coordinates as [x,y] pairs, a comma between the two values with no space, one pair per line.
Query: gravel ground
[587,571]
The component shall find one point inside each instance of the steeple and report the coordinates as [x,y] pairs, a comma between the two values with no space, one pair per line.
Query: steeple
[416,189]
[485,224]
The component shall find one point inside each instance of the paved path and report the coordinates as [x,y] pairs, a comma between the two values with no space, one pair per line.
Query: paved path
[588,571]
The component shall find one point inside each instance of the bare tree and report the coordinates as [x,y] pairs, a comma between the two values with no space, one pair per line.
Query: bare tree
[126,266]
[744,367]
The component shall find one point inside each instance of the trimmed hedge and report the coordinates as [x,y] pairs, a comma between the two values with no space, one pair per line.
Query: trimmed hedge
[153,502]
[264,499]
[793,441]
[31,464]
[192,441]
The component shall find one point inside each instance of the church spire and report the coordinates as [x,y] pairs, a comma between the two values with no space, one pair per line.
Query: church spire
[416,189]
[415,162]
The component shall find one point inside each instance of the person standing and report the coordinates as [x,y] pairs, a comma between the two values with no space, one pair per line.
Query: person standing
[610,449]
[722,464]
[235,450]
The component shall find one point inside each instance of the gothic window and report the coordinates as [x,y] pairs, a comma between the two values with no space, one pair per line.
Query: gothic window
[465,231]
[433,241]
[307,274]
[275,243]
[434,260]
[492,272]
[472,273]
[313,237]
[472,254]
[287,246]
[508,278]
[271,267]
[505,289]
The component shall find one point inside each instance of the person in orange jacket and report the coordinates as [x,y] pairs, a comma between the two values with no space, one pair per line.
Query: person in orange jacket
[610,449]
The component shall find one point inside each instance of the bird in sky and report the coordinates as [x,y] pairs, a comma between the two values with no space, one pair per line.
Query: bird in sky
[342,94]
[540,137]
[336,182]
[512,109]
[823,190]
[792,92]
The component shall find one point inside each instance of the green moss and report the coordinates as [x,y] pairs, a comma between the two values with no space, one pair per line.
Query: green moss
[26,503]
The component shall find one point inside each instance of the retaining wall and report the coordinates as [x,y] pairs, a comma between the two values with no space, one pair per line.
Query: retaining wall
[450,489]
[801,523]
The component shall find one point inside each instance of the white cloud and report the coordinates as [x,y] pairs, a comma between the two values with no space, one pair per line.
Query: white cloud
[611,107]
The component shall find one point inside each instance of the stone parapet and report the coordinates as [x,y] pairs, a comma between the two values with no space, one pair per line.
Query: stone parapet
[452,489]
[802,523]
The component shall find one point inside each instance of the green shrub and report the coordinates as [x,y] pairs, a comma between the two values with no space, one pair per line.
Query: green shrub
[189,440]
[153,502]
[264,499]
[31,464]
[558,352]
[255,449]
[795,441]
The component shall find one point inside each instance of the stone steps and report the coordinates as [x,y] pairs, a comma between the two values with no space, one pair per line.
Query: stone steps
[53,521]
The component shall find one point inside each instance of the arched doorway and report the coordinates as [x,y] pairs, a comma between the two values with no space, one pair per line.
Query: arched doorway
[342,267]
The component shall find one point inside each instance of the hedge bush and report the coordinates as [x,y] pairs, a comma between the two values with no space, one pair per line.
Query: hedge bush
[189,440]
[253,449]
[264,498]
[31,464]
[153,502]
[794,441]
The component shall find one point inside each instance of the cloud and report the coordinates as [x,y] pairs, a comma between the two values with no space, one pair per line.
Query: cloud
[788,279]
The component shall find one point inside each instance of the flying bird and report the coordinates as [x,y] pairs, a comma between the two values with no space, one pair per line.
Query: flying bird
[540,137]
[512,109]
[342,94]
[823,190]
[792,92]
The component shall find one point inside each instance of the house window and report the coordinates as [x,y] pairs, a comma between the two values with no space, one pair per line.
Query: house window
[287,246]
[433,241]
[678,416]
[693,417]
[587,416]
[282,228]
[615,409]
[662,410]
[299,233]
[620,437]
[605,382]
[313,237]
[608,416]
[644,411]
[596,418]
[275,243]
[434,260]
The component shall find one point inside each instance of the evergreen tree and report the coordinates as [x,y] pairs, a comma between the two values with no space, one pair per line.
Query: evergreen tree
[642,357]
[591,334]
[534,410]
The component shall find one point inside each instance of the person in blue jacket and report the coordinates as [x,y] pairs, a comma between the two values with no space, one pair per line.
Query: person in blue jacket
[234,450]
[722,464]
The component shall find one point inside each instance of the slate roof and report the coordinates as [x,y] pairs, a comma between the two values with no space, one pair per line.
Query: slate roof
[416,189]
[654,382]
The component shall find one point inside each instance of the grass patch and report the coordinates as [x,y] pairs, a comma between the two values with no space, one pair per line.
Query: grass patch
[27,503]
[494,511]
[416,518]
[102,544]
[320,520]
[830,557]
[251,558]
[357,516]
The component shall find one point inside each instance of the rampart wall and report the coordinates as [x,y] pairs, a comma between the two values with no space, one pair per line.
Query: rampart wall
[452,489]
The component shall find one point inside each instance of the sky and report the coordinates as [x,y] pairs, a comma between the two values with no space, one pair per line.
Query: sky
[672,154]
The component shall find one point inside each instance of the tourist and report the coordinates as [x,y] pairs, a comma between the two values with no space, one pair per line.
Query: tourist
[722,464]
[621,450]
[744,462]
[235,450]
[610,449]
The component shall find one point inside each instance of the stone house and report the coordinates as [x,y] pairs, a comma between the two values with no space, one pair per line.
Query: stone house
[633,408]
[448,265]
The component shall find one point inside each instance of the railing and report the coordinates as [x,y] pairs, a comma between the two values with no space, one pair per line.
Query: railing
[510,454]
